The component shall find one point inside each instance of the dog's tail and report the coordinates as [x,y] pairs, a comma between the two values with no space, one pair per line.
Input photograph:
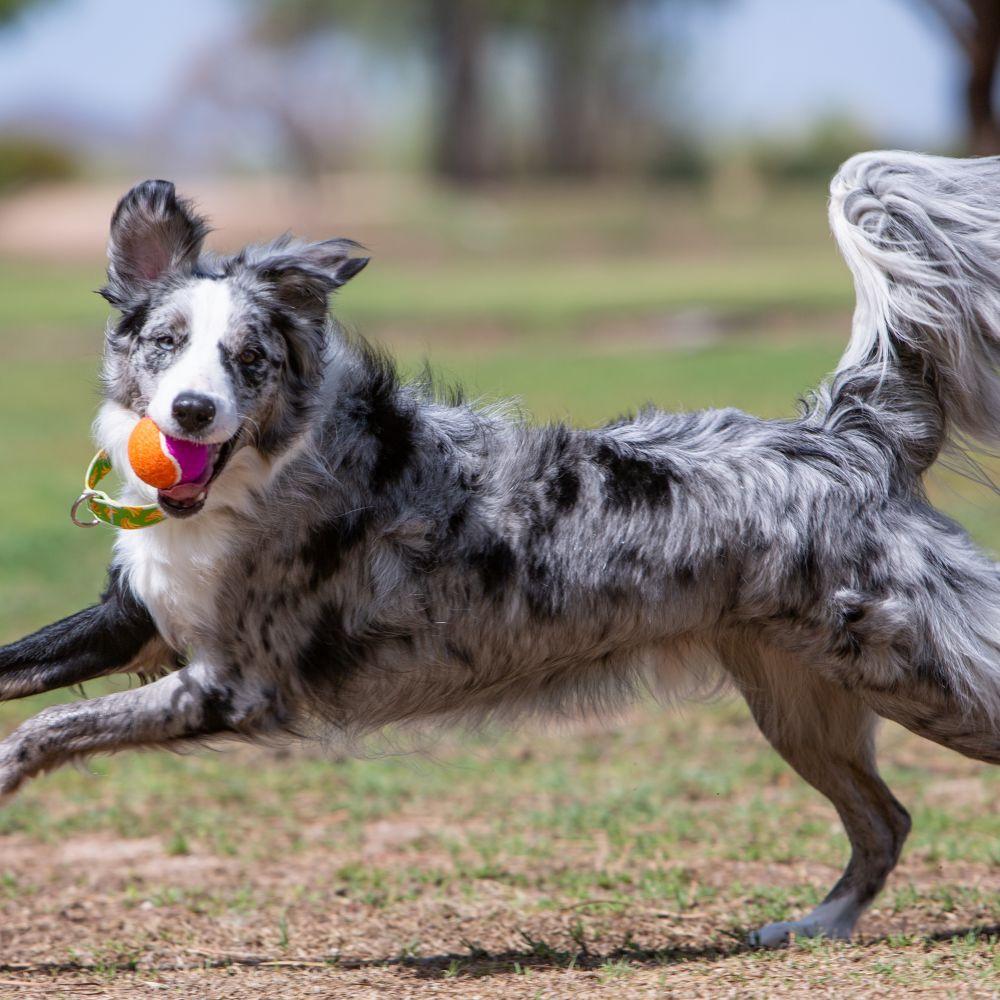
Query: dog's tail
[921,235]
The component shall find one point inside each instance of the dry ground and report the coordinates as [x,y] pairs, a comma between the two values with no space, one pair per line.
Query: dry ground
[618,861]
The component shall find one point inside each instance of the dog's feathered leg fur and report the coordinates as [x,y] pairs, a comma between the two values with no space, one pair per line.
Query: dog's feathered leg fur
[116,635]
[827,735]
[194,703]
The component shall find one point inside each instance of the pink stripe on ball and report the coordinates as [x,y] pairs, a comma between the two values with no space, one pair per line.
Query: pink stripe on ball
[191,456]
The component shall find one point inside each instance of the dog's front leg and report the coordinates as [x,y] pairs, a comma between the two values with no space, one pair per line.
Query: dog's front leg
[191,704]
[97,640]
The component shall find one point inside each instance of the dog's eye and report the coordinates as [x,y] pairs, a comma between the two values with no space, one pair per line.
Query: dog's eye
[165,342]
[249,356]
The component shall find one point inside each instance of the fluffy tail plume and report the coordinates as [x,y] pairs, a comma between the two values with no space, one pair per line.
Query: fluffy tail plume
[921,235]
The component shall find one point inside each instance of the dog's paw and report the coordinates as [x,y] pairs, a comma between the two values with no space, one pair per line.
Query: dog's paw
[778,934]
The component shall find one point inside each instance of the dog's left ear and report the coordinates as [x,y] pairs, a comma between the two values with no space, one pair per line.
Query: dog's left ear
[299,278]
[302,276]
[333,258]
[152,232]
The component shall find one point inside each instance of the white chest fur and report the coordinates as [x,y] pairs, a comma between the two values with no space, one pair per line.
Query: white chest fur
[175,569]
[176,566]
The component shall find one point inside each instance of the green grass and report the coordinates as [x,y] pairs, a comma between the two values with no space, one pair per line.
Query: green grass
[528,296]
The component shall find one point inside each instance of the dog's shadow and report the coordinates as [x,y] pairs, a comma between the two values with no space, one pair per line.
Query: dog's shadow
[476,963]
[481,964]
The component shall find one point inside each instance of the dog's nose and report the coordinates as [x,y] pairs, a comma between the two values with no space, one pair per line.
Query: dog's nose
[193,411]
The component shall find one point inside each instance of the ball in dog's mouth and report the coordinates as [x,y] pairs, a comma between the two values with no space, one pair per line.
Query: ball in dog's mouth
[186,499]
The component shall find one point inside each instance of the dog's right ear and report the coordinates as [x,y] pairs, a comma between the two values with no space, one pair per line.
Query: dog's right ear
[152,232]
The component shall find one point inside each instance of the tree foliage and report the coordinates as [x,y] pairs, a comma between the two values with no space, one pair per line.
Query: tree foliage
[10,10]
[597,65]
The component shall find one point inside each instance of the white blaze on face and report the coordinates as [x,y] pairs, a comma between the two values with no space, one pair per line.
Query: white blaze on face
[198,367]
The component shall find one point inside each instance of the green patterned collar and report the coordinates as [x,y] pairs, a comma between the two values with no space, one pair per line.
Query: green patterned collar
[118,515]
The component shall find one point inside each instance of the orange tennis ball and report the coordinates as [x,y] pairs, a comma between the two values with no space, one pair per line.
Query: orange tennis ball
[149,457]
[166,462]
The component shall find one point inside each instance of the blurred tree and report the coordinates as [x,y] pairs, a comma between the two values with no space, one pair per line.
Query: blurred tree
[10,9]
[598,65]
[975,27]
[457,34]
[450,33]
[27,160]
[595,69]
[812,157]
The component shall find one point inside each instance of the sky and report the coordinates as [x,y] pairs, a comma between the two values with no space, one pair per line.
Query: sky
[117,59]
[773,65]
[750,66]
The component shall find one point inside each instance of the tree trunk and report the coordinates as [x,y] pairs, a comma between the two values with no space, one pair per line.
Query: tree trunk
[984,48]
[570,145]
[458,40]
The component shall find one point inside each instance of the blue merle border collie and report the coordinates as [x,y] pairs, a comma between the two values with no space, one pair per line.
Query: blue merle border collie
[369,554]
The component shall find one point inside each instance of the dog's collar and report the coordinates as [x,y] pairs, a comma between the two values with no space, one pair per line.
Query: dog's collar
[118,515]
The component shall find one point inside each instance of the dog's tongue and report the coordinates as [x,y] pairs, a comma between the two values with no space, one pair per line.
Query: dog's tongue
[185,492]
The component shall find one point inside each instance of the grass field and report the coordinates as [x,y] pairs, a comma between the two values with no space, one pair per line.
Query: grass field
[627,858]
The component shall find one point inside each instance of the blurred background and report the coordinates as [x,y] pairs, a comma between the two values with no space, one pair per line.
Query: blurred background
[586,203]
[589,204]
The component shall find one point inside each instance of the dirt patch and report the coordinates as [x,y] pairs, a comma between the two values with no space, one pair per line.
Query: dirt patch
[603,861]
[114,917]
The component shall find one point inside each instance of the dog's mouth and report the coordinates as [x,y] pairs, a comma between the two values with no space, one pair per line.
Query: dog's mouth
[186,499]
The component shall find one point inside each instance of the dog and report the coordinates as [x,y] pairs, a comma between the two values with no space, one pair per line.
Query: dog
[369,553]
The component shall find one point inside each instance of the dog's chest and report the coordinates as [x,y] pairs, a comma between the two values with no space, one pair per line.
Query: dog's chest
[175,569]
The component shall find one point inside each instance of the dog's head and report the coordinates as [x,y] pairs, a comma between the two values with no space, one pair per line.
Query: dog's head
[227,351]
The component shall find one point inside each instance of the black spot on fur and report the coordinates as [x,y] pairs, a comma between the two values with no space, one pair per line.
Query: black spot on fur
[540,590]
[329,542]
[133,320]
[495,563]
[331,652]
[634,479]
[807,573]
[457,521]
[930,670]
[543,591]
[217,712]
[853,613]
[946,571]
[393,430]
[563,489]
[846,643]
[387,419]
[926,667]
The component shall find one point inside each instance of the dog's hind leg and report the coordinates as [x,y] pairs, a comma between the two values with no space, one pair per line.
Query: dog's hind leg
[939,716]
[191,704]
[827,735]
